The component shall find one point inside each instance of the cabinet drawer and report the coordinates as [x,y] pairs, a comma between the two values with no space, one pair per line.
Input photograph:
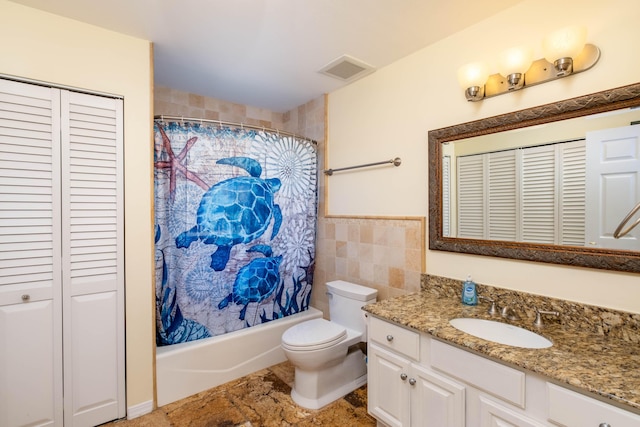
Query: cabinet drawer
[568,408]
[494,414]
[499,380]
[397,338]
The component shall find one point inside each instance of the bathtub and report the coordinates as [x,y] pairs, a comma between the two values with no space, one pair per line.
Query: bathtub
[189,368]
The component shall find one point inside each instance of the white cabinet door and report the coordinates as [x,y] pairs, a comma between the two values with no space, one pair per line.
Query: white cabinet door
[436,401]
[388,389]
[567,408]
[493,414]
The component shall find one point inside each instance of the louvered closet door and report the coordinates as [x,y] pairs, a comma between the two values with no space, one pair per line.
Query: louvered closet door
[30,275]
[93,274]
[502,196]
[572,193]
[471,197]
[539,195]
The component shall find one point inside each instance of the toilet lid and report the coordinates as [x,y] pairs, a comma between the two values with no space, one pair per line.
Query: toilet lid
[313,334]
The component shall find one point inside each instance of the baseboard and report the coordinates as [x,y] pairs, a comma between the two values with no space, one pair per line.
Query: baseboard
[140,409]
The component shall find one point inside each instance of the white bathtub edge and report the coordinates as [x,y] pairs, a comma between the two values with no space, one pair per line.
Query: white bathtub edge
[189,368]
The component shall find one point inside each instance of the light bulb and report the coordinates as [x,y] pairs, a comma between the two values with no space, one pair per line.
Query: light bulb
[564,43]
[473,74]
[515,60]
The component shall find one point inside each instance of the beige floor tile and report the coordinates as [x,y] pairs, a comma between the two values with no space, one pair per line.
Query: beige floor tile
[260,399]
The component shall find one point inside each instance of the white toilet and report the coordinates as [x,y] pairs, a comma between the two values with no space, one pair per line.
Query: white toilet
[327,357]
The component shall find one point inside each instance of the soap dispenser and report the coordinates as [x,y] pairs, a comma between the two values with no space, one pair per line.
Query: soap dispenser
[469,292]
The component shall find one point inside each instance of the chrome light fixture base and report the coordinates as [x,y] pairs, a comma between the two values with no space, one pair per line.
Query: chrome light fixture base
[541,71]
[474,93]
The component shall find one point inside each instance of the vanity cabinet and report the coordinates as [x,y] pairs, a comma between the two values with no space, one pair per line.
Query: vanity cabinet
[416,380]
[402,392]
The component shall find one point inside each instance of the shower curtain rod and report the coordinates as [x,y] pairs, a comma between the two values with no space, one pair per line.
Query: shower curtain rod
[163,117]
[396,162]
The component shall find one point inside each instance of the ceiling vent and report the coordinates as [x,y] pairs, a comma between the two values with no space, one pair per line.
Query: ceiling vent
[347,69]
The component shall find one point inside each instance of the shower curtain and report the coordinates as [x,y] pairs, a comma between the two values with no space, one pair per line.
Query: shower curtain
[235,221]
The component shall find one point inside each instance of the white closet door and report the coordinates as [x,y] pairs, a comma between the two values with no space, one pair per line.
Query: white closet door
[446,196]
[30,275]
[502,196]
[539,195]
[471,197]
[93,259]
[572,193]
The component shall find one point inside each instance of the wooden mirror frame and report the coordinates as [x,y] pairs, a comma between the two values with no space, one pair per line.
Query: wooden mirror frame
[607,259]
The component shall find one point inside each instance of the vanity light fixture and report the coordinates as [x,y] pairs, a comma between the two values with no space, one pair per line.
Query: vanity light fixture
[565,53]
[472,77]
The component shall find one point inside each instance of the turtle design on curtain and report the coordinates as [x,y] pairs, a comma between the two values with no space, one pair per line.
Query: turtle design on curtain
[235,217]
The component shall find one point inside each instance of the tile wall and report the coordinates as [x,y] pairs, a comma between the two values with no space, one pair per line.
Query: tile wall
[384,253]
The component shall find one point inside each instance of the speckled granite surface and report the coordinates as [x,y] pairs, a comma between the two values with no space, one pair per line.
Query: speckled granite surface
[595,351]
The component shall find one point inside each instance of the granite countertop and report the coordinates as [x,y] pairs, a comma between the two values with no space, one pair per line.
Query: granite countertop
[606,368]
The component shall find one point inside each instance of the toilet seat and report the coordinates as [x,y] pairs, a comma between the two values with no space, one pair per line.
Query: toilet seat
[313,334]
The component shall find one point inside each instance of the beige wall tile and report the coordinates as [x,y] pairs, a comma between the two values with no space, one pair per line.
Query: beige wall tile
[365,252]
[413,238]
[342,232]
[396,277]
[380,236]
[196,101]
[366,233]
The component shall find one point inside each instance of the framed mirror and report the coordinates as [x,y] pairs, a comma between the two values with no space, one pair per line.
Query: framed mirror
[562,213]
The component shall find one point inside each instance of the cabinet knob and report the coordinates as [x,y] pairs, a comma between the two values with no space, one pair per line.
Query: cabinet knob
[403,376]
[389,338]
[26,297]
[604,425]
[412,381]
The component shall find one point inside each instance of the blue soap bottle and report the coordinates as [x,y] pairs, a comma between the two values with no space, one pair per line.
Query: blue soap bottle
[469,292]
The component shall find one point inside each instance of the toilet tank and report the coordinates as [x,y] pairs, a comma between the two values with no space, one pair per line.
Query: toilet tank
[345,304]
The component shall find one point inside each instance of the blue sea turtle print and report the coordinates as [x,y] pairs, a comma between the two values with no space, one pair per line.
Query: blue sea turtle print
[255,281]
[174,327]
[234,211]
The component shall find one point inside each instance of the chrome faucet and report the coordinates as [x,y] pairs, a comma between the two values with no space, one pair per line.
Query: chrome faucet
[509,313]
[538,322]
[493,310]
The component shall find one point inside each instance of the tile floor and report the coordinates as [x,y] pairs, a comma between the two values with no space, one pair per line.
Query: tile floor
[259,399]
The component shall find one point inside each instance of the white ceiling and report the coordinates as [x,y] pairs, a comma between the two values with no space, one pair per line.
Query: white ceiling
[268,53]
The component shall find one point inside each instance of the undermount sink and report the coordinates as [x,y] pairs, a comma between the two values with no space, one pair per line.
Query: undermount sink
[499,332]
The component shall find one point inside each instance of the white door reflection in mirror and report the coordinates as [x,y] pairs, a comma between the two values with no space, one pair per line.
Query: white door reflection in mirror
[613,185]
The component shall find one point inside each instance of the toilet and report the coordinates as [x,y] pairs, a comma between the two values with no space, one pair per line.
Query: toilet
[327,354]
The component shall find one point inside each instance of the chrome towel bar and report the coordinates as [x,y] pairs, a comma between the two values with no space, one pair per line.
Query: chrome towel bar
[619,232]
[396,162]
